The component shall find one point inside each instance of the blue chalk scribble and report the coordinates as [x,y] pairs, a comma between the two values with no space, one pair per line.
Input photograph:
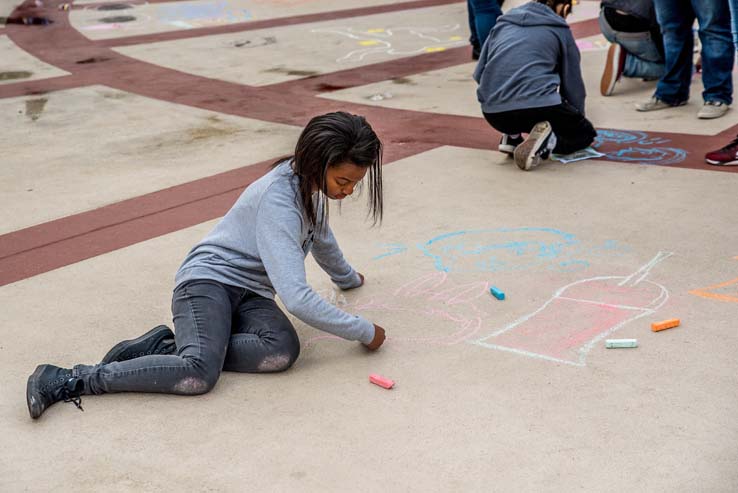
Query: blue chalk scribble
[509,249]
[393,249]
[634,153]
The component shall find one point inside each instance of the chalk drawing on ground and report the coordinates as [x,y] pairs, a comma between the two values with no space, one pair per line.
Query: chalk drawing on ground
[566,327]
[400,41]
[637,147]
[431,296]
[512,249]
[724,291]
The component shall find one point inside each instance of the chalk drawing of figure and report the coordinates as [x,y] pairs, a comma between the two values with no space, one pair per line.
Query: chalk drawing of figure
[432,296]
[580,314]
[401,41]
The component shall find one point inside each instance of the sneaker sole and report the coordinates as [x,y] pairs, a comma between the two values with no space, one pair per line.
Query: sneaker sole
[710,116]
[114,354]
[506,149]
[607,83]
[526,153]
[35,409]
[639,107]
[722,163]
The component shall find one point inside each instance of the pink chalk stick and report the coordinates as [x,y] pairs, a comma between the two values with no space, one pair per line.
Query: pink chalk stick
[381,381]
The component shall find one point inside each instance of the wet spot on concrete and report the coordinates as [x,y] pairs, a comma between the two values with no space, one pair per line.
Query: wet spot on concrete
[323,87]
[115,6]
[191,386]
[208,132]
[288,71]
[247,43]
[404,80]
[117,19]
[34,108]
[20,74]
[94,59]
[277,362]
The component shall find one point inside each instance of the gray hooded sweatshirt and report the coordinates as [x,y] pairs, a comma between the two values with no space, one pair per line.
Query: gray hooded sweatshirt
[261,245]
[530,60]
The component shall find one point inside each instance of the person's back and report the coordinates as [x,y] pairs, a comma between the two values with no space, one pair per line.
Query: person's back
[530,60]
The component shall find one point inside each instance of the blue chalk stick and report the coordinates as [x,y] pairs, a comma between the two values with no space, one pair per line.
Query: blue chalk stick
[497,293]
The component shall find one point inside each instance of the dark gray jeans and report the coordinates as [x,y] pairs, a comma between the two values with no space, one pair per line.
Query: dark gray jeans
[217,327]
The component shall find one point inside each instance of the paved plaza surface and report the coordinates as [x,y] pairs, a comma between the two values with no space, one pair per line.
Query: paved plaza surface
[127,129]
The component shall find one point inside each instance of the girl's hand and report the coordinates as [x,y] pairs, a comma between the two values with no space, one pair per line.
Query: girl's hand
[361,276]
[379,337]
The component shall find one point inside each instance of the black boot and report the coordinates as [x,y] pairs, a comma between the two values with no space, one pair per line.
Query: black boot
[50,384]
[159,340]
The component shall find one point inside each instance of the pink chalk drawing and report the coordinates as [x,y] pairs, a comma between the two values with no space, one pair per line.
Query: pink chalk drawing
[580,314]
[431,295]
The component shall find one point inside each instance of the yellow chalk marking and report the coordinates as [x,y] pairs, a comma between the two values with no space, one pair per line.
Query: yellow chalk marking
[455,38]
[375,30]
[369,42]
[435,48]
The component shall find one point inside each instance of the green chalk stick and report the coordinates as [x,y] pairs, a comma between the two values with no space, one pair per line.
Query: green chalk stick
[620,343]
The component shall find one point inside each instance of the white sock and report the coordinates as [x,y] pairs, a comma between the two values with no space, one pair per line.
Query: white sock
[514,136]
[552,140]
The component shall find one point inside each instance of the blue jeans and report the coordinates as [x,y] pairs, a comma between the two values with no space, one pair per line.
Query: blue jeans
[733,4]
[483,16]
[642,59]
[676,18]
[217,327]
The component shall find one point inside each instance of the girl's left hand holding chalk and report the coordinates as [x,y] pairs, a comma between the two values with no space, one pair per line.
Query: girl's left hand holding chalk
[361,276]
[379,338]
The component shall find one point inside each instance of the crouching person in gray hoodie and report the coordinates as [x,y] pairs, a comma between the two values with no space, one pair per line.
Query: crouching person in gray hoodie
[530,81]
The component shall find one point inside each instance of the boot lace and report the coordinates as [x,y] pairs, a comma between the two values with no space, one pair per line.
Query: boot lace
[73,397]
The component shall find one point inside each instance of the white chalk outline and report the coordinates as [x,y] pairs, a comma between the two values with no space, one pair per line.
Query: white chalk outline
[648,310]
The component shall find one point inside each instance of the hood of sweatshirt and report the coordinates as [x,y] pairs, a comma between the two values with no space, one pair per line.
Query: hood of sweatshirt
[533,14]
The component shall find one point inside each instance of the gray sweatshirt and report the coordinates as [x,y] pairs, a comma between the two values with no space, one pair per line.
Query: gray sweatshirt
[261,245]
[530,60]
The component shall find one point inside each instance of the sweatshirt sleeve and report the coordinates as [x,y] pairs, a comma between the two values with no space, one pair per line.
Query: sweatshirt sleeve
[329,257]
[572,86]
[278,227]
[481,63]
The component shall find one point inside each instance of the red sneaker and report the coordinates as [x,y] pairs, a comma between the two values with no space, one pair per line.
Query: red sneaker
[614,67]
[726,156]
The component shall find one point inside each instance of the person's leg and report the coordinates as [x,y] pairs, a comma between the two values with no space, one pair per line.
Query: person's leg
[733,5]
[473,38]
[675,18]
[202,320]
[485,14]
[573,131]
[263,339]
[717,49]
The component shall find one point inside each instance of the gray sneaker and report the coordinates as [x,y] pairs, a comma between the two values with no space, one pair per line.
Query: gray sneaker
[655,103]
[712,109]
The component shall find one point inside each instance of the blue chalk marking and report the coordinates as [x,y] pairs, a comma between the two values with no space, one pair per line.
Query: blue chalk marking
[497,293]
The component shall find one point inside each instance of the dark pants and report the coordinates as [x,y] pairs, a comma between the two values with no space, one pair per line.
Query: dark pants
[217,327]
[573,131]
[676,18]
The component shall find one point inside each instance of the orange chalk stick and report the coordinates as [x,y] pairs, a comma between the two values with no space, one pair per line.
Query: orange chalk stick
[666,324]
[381,381]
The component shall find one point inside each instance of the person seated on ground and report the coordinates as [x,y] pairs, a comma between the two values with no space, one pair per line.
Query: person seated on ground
[225,316]
[483,15]
[530,81]
[676,18]
[728,154]
[637,48]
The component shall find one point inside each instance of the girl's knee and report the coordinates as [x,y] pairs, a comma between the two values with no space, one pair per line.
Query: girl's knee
[198,381]
[282,358]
